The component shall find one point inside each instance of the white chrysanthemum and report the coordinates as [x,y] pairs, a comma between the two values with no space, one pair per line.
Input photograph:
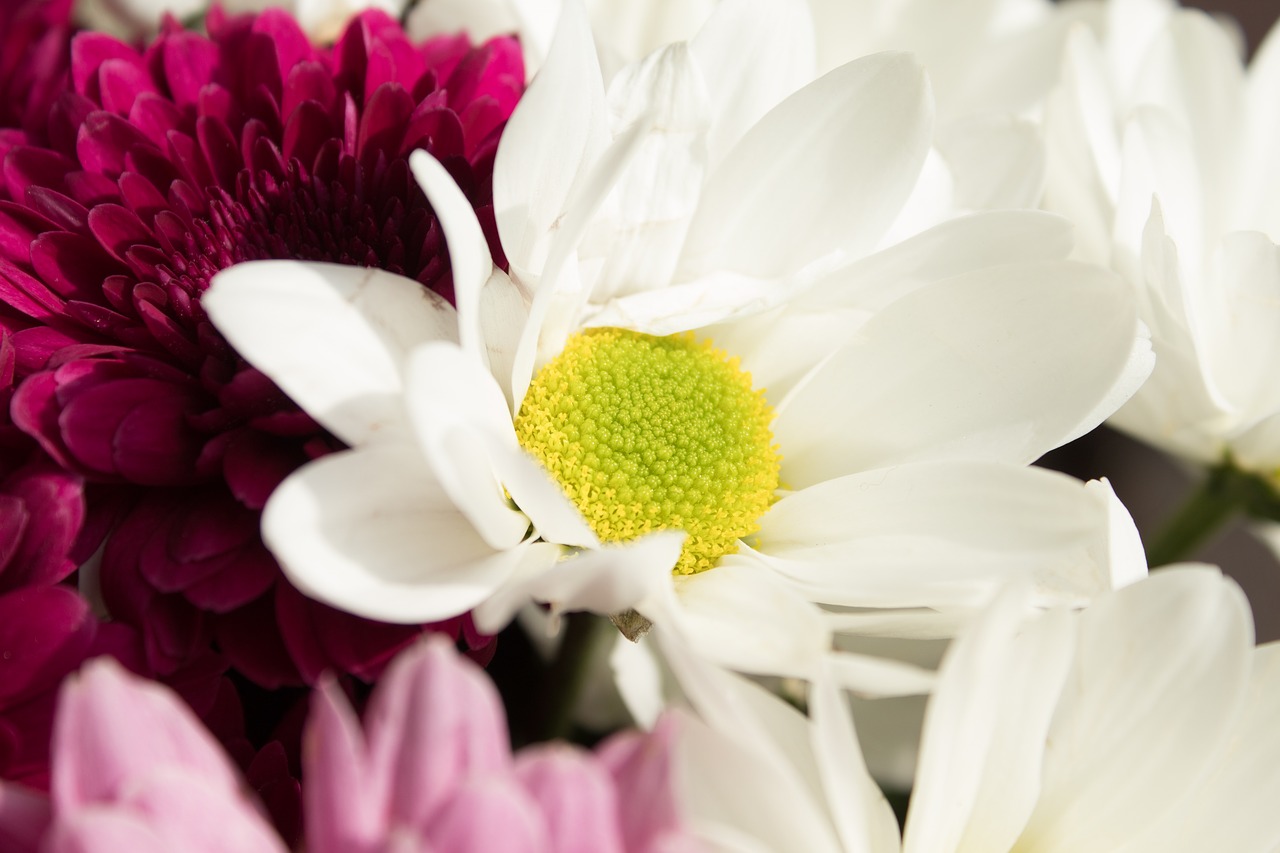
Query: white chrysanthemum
[904,386]
[1145,722]
[1163,152]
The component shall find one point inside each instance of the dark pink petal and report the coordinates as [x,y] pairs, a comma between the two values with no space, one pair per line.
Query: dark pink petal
[35,411]
[307,81]
[62,210]
[383,123]
[155,117]
[141,196]
[53,501]
[29,166]
[72,265]
[26,294]
[88,52]
[24,818]
[189,63]
[354,644]
[135,428]
[251,639]
[44,633]
[117,229]
[18,229]
[90,189]
[121,82]
[221,150]
[106,140]
[436,129]
[252,573]
[13,524]
[255,464]
[35,346]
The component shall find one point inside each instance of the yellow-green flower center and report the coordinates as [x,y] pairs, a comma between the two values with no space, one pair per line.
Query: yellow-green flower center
[647,433]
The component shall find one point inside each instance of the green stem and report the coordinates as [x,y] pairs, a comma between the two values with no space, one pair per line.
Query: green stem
[568,674]
[1225,493]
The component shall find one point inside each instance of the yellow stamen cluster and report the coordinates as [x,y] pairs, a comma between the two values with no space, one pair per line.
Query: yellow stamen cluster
[650,433]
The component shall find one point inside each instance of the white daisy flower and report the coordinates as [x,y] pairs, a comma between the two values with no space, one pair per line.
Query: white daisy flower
[1144,722]
[705,362]
[1163,152]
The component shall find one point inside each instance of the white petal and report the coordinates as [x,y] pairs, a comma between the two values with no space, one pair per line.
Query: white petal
[554,136]
[1244,784]
[861,814]
[1243,332]
[942,534]
[995,364]
[996,162]
[334,338]
[1127,559]
[778,348]
[1193,70]
[879,677]
[504,312]
[742,616]
[369,531]
[561,295]
[840,157]
[752,768]
[717,298]
[554,516]
[985,727]
[655,197]
[753,54]
[1176,648]
[468,251]
[458,412]
[605,580]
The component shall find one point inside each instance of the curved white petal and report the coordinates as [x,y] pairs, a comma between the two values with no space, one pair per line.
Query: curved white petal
[740,615]
[458,411]
[721,297]
[334,338]
[605,580]
[553,137]
[1003,363]
[649,209]
[554,516]
[370,531]
[827,169]
[1244,784]
[753,54]
[861,814]
[751,769]
[778,348]
[561,294]
[982,746]
[995,162]
[1162,662]
[469,255]
[944,534]
[871,676]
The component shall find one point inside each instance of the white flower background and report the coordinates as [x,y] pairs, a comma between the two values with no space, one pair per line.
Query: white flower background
[1150,483]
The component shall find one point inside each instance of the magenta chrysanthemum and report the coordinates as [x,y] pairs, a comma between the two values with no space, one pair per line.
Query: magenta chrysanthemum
[156,169]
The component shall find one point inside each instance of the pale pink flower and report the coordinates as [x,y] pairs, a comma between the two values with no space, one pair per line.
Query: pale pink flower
[431,770]
[133,769]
